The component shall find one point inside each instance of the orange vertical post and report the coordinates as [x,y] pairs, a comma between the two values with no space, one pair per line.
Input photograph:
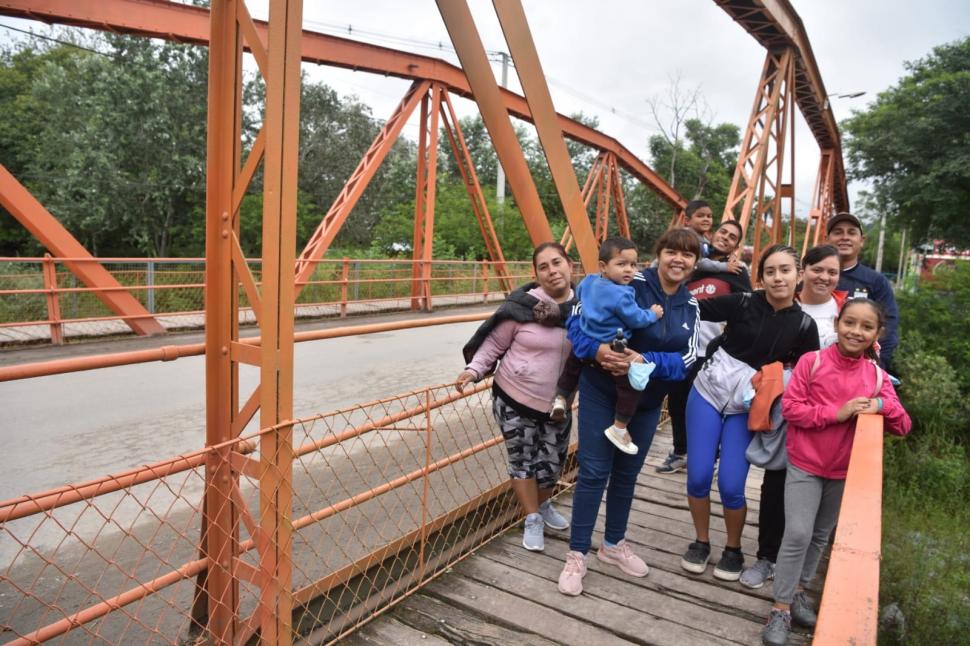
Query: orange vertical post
[219,525]
[344,280]
[53,301]
[422,248]
[276,377]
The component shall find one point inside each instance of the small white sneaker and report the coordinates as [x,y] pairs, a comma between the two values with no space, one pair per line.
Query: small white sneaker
[533,538]
[559,407]
[621,440]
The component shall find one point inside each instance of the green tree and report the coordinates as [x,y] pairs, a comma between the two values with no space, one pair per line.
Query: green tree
[913,145]
[119,156]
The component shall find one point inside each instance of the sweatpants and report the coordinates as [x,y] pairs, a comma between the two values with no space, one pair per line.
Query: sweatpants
[708,432]
[811,511]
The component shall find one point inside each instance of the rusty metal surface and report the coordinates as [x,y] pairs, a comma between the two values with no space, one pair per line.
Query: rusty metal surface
[16,199]
[184,23]
[776,25]
[375,487]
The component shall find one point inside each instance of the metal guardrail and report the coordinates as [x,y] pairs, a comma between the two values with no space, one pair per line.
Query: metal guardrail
[41,300]
[386,495]
[849,610]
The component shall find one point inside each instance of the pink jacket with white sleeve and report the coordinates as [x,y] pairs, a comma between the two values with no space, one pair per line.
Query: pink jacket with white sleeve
[817,442]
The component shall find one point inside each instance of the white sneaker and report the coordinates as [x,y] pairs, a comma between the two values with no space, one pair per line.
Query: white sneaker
[533,538]
[559,407]
[621,440]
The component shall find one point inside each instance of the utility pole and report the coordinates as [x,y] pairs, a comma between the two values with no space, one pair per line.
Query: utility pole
[882,240]
[499,172]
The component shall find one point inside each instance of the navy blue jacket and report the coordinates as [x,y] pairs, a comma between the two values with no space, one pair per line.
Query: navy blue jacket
[864,281]
[671,342]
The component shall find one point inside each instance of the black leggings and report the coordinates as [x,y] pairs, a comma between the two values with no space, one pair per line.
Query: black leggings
[771,516]
[677,407]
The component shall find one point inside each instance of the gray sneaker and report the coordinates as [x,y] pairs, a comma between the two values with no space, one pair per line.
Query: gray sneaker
[552,517]
[755,576]
[532,537]
[802,612]
[673,463]
[776,631]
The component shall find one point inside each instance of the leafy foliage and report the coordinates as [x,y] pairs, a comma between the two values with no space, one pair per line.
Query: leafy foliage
[913,143]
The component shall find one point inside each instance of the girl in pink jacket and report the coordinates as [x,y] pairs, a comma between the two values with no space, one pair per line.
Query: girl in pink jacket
[826,393]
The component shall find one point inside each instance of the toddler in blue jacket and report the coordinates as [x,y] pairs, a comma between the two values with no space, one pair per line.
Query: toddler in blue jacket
[608,311]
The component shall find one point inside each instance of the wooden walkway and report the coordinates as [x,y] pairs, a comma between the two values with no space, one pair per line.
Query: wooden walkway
[504,594]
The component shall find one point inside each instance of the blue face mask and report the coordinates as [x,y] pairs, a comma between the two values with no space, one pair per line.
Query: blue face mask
[639,374]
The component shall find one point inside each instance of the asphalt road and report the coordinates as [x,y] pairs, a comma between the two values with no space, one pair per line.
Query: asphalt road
[74,427]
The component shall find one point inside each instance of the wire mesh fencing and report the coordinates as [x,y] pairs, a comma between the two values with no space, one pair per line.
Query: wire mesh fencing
[340,515]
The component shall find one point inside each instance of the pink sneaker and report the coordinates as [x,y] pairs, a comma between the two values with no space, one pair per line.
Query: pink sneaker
[624,558]
[571,579]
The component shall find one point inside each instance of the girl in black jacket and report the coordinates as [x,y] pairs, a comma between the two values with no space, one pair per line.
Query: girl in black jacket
[761,327]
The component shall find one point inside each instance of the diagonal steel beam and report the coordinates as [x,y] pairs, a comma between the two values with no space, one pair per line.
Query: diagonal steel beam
[25,208]
[184,23]
[468,44]
[529,69]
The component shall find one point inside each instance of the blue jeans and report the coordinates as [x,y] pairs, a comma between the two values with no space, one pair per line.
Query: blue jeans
[707,432]
[602,465]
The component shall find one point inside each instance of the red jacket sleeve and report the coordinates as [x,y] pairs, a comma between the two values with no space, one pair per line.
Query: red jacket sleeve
[798,406]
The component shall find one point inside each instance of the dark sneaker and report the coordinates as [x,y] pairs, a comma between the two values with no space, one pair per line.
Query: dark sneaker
[802,612]
[696,557]
[552,517]
[758,574]
[673,463]
[776,631]
[729,567]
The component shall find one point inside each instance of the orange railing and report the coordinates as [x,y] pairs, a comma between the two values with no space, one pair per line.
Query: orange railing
[41,300]
[386,495]
[849,610]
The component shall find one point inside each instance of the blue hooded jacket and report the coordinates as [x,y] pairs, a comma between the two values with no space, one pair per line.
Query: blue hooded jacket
[670,343]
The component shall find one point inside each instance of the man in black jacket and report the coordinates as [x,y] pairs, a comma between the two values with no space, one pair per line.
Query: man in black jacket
[705,284]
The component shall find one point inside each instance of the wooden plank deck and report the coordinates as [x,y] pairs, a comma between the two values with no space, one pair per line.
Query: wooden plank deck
[504,594]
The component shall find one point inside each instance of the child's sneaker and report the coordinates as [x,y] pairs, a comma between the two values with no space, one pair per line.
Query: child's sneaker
[559,408]
[621,440]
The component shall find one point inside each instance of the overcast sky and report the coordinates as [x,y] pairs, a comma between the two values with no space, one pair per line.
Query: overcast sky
[608,58]
[615,55]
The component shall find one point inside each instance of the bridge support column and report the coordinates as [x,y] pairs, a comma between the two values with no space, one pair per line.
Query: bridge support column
[756,188]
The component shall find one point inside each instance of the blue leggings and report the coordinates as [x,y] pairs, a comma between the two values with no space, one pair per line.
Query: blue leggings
[706,430]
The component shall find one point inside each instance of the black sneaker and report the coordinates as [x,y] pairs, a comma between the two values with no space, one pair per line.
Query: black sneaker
[776,631]
[730,566]
[696,557]
[802,612]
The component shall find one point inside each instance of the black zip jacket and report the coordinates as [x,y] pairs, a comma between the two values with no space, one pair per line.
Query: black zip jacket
[756,334]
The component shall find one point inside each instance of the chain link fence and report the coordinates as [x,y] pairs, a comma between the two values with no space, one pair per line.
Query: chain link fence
[380,498]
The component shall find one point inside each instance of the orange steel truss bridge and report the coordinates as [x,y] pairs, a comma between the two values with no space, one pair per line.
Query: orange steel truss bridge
[225,563]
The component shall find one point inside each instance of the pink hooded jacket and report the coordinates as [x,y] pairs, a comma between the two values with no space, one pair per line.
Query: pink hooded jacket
[817,442]
[532,357]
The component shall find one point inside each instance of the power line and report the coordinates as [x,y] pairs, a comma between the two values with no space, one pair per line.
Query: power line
[61,42]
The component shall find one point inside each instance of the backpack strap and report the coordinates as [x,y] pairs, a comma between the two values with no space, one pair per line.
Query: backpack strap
[878,389]
[816,363]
